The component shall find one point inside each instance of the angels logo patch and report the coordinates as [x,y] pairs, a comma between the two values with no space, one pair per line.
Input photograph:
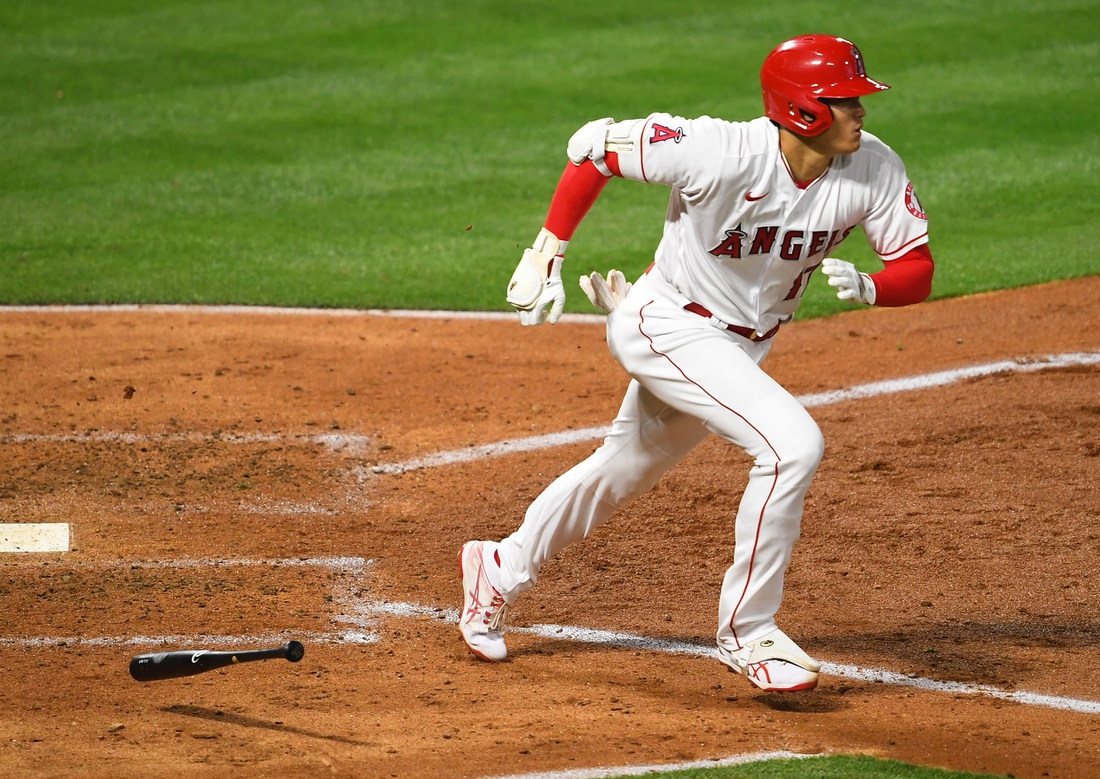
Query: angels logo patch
[860,69]
[913,204]
[662,133]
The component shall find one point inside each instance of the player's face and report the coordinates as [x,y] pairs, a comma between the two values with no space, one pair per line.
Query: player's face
[843,135]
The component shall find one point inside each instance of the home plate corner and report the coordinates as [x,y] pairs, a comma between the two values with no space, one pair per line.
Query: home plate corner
[34,537]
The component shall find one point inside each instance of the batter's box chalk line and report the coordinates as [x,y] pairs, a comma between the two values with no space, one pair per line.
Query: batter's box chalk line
[347,443]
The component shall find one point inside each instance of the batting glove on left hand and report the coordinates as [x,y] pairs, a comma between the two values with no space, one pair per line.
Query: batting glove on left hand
[850,283]
[606,294]
[536,282]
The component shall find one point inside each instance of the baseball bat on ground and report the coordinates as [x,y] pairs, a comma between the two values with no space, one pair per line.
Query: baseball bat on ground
[188,662]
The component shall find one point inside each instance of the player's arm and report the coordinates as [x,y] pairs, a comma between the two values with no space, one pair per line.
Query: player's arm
[536,283]
[897,228]
[902,282]
[906,280]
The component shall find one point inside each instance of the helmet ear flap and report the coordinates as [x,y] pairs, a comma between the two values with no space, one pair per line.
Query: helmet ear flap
[810,118]
[804,117]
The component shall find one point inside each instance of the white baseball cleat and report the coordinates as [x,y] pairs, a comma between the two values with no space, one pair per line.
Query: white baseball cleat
[483,610]
[773,662]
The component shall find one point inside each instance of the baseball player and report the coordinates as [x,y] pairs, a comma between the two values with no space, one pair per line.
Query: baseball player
[756,207]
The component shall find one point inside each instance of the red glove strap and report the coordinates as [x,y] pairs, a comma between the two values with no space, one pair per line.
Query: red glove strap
[577,190]
[906,280]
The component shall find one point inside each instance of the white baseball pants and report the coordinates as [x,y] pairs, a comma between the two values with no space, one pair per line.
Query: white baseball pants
[690,379]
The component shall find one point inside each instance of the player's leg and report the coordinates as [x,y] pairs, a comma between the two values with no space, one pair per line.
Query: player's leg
[788,451]
[647,438]
[713,375]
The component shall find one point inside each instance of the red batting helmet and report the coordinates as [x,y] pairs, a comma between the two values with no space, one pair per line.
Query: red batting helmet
[802,70]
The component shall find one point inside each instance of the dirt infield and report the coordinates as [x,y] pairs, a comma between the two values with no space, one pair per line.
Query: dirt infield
[952,533]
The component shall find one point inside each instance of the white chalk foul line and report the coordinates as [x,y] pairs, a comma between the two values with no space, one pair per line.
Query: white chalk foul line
[499,449]
[637,770]
[960,688]
[943,378]
[857,673]
[167,308]
[873,389]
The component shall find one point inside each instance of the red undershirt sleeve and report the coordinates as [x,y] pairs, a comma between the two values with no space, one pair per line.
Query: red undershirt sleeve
[906,280]
[577,190]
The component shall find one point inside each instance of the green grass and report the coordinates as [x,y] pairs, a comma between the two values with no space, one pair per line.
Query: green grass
[334,153]
[833,767]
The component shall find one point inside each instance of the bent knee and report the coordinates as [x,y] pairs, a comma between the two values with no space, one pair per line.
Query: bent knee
[803,454]
[814,448]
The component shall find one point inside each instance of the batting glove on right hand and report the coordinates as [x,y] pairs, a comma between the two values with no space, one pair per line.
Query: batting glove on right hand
[850,283]
[606,295]
[536,282]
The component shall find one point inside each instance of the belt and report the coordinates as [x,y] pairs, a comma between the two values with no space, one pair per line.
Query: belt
[744,332]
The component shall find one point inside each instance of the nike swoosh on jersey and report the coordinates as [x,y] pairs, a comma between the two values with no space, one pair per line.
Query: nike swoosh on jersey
[751,198]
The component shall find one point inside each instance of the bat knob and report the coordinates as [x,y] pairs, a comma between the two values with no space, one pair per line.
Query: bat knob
[295,651]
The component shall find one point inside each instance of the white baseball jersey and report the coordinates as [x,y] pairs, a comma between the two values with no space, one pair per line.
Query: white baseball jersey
[741,238]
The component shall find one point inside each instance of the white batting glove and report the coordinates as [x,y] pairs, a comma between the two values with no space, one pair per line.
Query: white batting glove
[606,295]
[850,283]
[536,282]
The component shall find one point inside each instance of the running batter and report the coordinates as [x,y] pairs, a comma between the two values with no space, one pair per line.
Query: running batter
[756,207]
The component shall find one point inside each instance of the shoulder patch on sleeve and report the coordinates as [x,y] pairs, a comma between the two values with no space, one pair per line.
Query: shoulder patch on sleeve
[913,204]
[662,133]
